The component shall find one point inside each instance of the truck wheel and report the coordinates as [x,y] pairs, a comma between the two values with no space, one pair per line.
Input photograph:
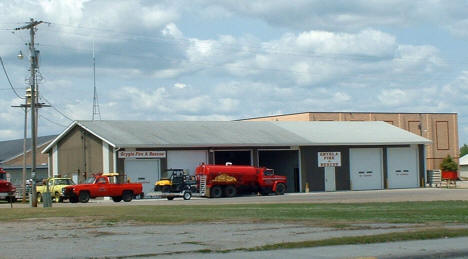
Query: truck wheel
[170,198]
[73,199]
[117,198]
[216,192]
[187,195]
[230,191]
[39,197]
[83,197]
[280,189]
[57,197]
[127,196]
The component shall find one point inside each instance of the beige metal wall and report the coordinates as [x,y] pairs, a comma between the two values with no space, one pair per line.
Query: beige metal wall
[79,152]
[441,128]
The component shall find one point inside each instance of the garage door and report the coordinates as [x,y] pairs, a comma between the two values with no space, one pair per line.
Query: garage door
[403,167]
[145,171]
[186,159]
[366,168]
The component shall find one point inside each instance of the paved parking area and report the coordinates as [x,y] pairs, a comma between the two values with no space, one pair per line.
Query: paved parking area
[419,194]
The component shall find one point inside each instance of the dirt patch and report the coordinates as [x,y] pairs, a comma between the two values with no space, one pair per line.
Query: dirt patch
[85,237]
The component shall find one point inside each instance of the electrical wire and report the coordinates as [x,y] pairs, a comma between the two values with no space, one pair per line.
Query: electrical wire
[53,107]
[56,123]
[8,78]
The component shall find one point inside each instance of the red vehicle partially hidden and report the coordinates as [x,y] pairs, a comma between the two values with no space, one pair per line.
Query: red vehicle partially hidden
[227,180]
[7,190]
[103,185]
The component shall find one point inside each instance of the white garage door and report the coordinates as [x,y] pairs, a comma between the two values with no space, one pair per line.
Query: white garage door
[366,168]
[186,159]
[403,167]
[145,171]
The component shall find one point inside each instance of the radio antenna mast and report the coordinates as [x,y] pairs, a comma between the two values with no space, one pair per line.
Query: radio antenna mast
[96,110]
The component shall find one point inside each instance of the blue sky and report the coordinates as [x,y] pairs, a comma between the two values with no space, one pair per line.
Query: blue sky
[225,60]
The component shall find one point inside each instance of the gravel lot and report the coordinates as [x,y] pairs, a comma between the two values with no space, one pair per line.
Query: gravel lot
[86,238]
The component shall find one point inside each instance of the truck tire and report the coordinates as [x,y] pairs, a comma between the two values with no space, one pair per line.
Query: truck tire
[127,196]
[280,189]
[170,198]
[117,198]
[187,195]
[83,197]
[57,197]
[230,191]
[73,199]
[216,191]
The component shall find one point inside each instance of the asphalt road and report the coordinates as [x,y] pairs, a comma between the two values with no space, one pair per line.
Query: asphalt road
[419,194]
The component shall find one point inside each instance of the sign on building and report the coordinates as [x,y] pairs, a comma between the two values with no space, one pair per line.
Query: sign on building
[142,154]
[329,159]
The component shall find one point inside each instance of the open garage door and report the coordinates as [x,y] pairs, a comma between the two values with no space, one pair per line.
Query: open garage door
[145,171]
[186,159]
[236,157]
[284,162]
[403,167]
[366,168]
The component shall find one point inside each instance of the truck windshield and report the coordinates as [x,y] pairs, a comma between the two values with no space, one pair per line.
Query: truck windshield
[90,180]
[269,172]
[64,182]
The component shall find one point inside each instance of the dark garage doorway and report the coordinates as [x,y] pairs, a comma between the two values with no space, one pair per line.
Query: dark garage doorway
[284,162]
[234,157]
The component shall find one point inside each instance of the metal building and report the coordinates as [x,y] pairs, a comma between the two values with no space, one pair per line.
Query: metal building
[314,156]
[440,128]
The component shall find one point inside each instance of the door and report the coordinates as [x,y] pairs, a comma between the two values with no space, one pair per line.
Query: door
[144,171]
[403,167]
[186,159]
[330,184]
[366,168]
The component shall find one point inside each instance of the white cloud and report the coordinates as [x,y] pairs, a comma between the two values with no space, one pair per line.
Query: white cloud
[172,31]
[180,85]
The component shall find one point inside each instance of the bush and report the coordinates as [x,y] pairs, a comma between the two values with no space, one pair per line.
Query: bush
[448,164]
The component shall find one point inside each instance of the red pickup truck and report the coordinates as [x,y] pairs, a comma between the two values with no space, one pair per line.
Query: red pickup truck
[102,186]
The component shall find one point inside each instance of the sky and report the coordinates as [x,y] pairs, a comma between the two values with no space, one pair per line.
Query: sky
[227,60]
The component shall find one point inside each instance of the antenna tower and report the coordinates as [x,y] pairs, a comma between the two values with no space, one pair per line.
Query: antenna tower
[96,109]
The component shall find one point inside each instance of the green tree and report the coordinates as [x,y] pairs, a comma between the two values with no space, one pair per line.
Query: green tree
[464,150]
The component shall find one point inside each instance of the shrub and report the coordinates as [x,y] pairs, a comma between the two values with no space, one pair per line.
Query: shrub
[448,164]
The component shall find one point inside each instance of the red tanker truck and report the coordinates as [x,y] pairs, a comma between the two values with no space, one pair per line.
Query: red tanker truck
[216,181]
[7,190]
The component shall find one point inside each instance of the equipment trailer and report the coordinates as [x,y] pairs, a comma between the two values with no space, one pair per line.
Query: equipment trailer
[177,184]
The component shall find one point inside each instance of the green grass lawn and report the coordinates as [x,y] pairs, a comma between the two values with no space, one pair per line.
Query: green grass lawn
[398,212]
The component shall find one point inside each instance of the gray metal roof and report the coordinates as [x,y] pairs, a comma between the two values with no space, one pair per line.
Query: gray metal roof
[191,133]
[351,133]
[12,148]
[244,133]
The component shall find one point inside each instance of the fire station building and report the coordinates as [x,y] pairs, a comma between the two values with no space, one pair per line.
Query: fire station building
[313,155]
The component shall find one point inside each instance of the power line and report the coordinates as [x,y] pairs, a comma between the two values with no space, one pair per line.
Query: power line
[8,78]
[56,123]
[53,107]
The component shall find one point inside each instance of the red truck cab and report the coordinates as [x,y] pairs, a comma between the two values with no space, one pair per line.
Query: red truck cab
[228,180]
[102,185]
[7,190]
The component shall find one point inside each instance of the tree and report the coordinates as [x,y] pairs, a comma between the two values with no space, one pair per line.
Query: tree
[464,150]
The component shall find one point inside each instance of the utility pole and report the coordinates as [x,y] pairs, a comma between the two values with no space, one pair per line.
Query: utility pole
[31,26]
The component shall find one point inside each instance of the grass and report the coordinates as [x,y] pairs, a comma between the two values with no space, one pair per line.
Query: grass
[328,214]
